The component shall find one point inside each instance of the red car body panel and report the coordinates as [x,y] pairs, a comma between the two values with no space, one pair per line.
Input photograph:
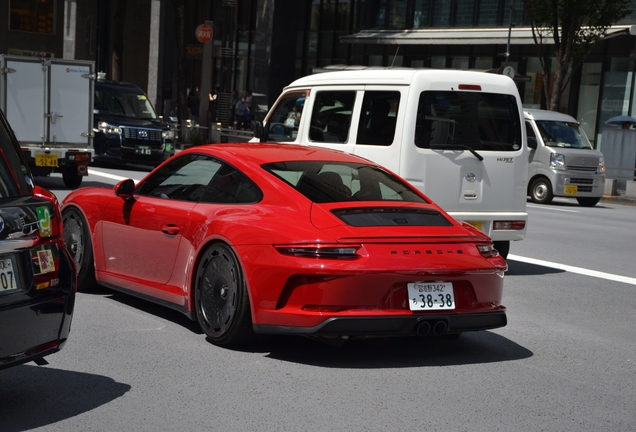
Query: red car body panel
[151,246]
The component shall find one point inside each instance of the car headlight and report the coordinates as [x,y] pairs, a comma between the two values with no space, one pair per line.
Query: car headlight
[168,134]
[601,164]
[108,128]
[557,161]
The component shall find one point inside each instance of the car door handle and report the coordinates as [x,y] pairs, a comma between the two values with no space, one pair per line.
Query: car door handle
[170,229]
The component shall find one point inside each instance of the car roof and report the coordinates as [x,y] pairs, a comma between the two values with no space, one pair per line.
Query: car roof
[398,76]
[262,153]
[117,85]
[540,115]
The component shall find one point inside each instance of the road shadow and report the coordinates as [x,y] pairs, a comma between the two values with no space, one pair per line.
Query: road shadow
[566,203]
[56,183]
[121,166]
[389,353]
[37,396]
[151,308]
[470,348]
[519,268]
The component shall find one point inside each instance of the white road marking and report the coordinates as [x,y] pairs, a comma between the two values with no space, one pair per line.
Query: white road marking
[572,269]
[93,171]
[551,208]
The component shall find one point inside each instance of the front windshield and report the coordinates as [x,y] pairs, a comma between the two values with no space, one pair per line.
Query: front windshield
[563,134]
[123,104]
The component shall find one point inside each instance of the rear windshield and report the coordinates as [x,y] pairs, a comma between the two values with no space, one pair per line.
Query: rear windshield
[13,173]
[481,121]
[324,182]
[563,134]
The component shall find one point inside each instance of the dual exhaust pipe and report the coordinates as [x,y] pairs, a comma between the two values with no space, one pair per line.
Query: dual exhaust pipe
[431,327]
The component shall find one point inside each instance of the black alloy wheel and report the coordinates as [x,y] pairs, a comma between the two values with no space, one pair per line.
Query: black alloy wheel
[78,242]
[221,300]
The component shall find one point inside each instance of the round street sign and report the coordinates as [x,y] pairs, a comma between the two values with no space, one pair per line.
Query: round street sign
[204,33]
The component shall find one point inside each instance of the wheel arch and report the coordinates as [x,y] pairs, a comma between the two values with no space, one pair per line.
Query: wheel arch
[205,245]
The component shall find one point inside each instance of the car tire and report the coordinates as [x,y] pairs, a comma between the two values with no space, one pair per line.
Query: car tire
[503,247]
[71,178]
[220,296]
[541,191]
[588,202]
[77,239]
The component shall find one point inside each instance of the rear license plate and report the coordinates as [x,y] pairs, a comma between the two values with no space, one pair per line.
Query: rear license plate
[431,296]
[43,159]
[571,189]
[476,224]
[8,279]
[143,150]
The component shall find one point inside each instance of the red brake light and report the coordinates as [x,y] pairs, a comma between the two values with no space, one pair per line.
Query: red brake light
[469,87]
[321,251]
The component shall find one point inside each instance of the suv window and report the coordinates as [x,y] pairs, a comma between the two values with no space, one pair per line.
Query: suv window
[14,175]
[481,121]
[331,116]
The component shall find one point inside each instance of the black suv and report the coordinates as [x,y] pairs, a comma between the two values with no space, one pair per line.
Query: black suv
[126,126]
[37,274]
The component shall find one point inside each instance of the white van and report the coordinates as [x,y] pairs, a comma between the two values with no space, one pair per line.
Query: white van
[562,160]
[458,136]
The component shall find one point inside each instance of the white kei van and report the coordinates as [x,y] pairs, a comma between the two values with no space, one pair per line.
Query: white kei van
[562,160]
[458,136]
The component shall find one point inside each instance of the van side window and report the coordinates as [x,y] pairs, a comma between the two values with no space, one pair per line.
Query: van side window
[482,121]
[282,124]
[378,117]
[331,116]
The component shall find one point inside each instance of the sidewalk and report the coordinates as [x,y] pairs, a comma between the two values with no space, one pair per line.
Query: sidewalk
[618,199]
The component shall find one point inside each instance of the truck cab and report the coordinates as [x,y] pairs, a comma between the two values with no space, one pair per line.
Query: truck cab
[562,160]
[126,126]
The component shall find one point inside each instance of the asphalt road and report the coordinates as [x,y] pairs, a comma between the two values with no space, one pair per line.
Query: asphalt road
[565,362]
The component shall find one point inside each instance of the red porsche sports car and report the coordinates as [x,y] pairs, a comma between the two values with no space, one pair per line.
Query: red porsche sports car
[282,239]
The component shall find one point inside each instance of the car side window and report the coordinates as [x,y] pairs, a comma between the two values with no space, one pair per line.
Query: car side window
[230,186]
[331,116]
[282,124]
[378,117]
[185,178]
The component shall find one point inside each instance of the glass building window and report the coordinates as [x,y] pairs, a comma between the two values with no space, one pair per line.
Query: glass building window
[488,10]
[464,13]
[441,13]
[36,16]
[420,13]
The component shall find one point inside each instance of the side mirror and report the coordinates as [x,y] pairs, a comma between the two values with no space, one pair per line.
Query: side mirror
[532,142]
[259,131]
[125,189]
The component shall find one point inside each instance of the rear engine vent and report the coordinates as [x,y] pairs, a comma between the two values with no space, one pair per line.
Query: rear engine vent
[383,216]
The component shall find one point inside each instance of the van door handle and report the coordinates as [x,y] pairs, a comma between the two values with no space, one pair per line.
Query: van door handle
[171,229]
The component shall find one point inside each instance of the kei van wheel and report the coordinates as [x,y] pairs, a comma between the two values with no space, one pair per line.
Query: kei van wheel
[541,191]
[78,242]
[221,300]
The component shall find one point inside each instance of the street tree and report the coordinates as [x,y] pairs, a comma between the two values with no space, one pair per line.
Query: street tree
[568,30]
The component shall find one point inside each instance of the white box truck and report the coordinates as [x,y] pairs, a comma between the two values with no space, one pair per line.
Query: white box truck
[49,104]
